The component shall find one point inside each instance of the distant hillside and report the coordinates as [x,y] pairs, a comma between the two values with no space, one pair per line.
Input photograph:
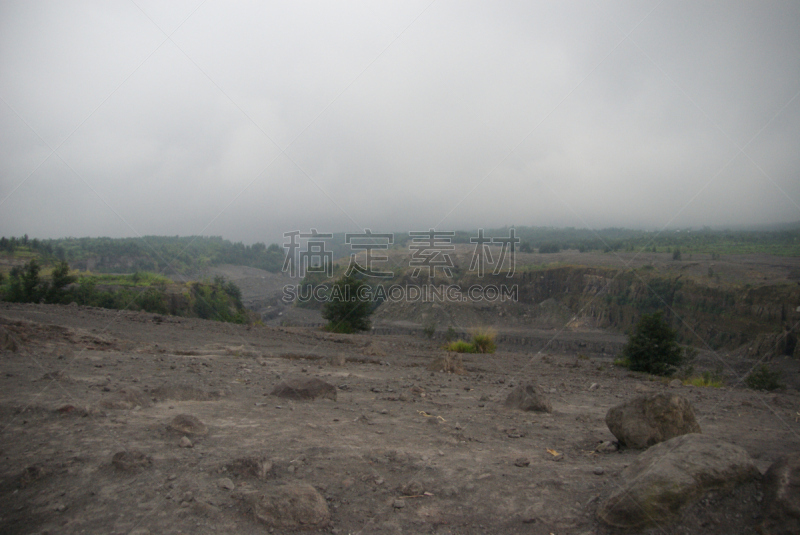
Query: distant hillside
[166,254]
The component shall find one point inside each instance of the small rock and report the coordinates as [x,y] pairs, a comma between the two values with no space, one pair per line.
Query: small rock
[398,504]
[598,471]
[132,460]
[304,389]
[226,483]
[558,457]
[527,398]
[60,507]
[185,442]
[594,386]
[522,462]
[187,424]
[675,383]
[288,507]
[607,446]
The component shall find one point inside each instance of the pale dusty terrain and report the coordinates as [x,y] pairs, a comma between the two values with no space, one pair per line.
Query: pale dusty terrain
[395,429]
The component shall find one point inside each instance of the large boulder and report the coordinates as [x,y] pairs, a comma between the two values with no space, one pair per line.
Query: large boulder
[782,496]
[650,419]
[304,388]
[293,506]
[528,398]
[671,475]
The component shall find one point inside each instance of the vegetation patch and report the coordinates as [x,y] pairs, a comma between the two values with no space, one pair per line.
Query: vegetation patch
[763,378]
[460,346]
[706,380]
[218,300]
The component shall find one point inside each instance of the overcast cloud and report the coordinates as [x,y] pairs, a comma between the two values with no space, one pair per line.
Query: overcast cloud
[250,119]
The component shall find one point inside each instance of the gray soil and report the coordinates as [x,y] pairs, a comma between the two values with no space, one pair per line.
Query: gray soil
[401,450]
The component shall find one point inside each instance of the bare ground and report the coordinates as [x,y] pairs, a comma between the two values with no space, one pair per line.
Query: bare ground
[402,449]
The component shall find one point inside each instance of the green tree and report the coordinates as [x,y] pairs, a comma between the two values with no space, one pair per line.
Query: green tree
[60,278]
[347,310]
[32,288]
[653,346]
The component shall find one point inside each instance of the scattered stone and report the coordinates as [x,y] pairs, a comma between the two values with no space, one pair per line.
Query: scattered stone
[413,488]
[650,419]
[558,457]
[527,398]
[183,393]
[187,424]
[304,388]
[522,462]
[130,461]
[185,442]
[257,467]
[449,363]
[291,506]
[782,496]
[60,507]
[593,386]
[337,361]
[671,475]
[127,399]
[399,504]
[31,474]
[225,483]
[598,471]
[675,383]
[607,446]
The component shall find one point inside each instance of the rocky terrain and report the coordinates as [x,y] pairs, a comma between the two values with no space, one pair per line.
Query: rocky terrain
[122,422]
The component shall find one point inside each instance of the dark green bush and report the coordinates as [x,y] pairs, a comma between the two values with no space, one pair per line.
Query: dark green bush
[762,378]
[653,347]
[345,309]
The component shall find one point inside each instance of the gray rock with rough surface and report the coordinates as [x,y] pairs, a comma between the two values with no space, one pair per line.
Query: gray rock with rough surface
[186,424]
[528,398]
[304,388]
[652,418]
[671,475]
[782,496]
[289,507]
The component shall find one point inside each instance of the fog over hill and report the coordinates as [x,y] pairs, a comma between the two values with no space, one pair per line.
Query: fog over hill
[248,121]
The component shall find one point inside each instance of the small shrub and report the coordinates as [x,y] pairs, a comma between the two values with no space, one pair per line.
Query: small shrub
[762,378]
[622,362]
[483,341]
[706,380]
[460,346]
[346,311]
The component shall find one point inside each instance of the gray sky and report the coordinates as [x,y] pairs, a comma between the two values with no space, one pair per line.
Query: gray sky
[251,119]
